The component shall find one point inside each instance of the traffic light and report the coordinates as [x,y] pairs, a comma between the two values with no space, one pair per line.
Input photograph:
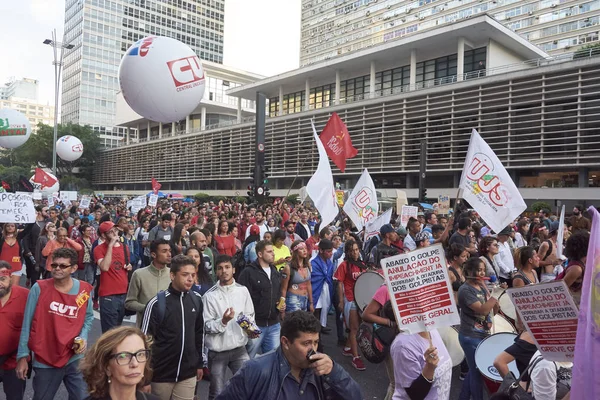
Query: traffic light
[422,194]
[252,188]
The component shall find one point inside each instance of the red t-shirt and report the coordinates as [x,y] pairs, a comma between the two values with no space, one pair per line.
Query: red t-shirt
[113,281]
[311,245]
[348,280]
[11,316]
[225,244]
[12,255]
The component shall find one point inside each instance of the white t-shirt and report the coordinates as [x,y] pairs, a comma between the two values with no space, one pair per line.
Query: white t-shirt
[267,271]
[544,377]
[407,354]
[263,228]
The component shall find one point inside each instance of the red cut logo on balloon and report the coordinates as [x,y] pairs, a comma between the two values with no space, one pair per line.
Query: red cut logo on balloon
[78,148]
[186,72]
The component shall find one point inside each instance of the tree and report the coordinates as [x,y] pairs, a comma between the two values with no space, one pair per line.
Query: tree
[11,175]
[37,152]
[539,205]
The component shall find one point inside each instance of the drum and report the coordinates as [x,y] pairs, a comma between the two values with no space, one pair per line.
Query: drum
[365,287]
[507,308]
[502,324]
[486,353]
[449,336]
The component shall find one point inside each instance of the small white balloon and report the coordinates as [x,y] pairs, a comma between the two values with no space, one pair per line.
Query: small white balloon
[161,79]
[14,128]
[69,148]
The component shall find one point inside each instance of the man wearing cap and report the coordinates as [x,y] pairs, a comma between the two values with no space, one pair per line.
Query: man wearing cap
[504,259]
[58,310]
[322,281]
[384,248]
[112,257]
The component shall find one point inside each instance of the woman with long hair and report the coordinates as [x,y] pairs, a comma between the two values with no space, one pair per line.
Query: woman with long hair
[526,262]
[177,243]
[346,275]
[117,365]
[521,234]
[224,241]
[203,279]
[457,256]
[488,249]
[233,231]
[576,250]
[295,280]
[11,250]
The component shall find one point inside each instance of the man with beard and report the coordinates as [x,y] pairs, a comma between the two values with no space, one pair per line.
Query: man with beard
[260,222]
[290,235]
[578,221]
[29,242]
[198,239]
[12,307]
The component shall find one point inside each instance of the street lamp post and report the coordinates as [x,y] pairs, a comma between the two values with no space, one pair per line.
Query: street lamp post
[58,62]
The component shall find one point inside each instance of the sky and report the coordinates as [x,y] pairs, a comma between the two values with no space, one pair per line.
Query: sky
[261,36]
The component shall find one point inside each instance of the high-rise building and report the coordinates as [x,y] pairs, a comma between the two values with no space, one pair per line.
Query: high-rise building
[331,28]
[25,88]
[102,30]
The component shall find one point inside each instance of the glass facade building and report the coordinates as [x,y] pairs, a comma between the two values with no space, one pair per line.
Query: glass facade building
[102,30]
[331,28]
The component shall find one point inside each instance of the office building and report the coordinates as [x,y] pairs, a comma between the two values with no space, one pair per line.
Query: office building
[102,30]
[332,28]
[540,114]
[22,95]
[26,89]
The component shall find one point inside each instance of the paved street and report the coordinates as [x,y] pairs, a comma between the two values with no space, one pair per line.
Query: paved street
[373,381]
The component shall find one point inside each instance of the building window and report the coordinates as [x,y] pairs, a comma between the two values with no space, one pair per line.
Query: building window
[392,80]
[354,89]
[273,106]
[321,96]
[293,102]
[475,60]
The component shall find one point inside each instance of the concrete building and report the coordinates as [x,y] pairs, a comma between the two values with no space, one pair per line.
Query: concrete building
[540,114]
[217,109]
[26,89]
[332,28]
[102,30]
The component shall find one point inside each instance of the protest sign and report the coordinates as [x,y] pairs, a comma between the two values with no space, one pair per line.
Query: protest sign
[339,196]
[68,195]
[50,201]
[129,204]
[408,212]
[420,290]
[488,187]
[550,315]
[85,202]
[37,195]
[443,204]
[139,202]
[153,200]
[401,200]
[17,208]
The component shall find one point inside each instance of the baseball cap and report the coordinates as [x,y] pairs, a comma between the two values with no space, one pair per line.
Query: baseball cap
[554,226]
[105,227]
[254,230]
[385,229]
[401,231]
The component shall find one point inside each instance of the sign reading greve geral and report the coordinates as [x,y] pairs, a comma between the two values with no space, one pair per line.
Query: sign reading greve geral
[16,208]
[550,315]
[420,290]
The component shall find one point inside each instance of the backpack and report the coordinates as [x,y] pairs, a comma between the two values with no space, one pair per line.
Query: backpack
[375,341]
[562,374]
[161,303]
[238,262]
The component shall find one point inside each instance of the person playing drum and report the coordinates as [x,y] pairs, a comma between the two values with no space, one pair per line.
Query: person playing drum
[476,304]
[346,276]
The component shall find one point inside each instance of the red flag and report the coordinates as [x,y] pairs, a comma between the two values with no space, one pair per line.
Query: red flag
[155,186]
[43,178]
[337,142]
[5,185]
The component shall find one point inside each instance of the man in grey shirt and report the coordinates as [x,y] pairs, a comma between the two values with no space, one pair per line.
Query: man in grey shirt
[164,230]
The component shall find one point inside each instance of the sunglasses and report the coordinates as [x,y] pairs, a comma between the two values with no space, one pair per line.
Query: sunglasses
[61,266]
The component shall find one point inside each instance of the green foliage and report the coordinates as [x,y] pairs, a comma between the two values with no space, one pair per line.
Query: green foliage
[293,198]
[586,51]
[217,199]
[37,152]
[241,199]
[202,197]
[11,175]
[538,205]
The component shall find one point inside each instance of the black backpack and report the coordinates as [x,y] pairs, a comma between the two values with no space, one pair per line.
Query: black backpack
[238,262]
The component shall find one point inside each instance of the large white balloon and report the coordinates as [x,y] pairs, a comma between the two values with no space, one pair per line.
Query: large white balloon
[46,190]
[14,128]
[161,79]
[69,148]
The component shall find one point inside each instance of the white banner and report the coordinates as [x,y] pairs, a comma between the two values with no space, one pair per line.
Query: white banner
[372,228]
[17,208]
[407,213]
[443,204]
[560,238]
[85,202]
[550,316]
[37,195]
[68,195]
[153,200]
[420,290]
[362,206]
[320,187]
[487,186]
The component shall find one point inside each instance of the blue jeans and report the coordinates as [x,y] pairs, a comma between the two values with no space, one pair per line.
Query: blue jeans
[295,302]
[267,341]
[112,311]
[14,388]
[46,382]
[472,387]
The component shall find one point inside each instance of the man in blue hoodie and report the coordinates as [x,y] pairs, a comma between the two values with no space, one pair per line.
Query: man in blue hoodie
[322,281]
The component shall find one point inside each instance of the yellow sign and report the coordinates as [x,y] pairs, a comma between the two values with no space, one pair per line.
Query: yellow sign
[339,195]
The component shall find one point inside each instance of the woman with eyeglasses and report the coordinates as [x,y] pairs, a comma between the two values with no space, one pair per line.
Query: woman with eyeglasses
[117,366]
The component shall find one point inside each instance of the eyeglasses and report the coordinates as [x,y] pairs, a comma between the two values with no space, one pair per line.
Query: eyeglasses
[125,357]
[61,266]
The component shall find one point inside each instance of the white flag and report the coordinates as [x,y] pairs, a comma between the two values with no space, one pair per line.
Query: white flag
[487,186]
[320,187]
[362,206]
[561,233]
[372,228]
